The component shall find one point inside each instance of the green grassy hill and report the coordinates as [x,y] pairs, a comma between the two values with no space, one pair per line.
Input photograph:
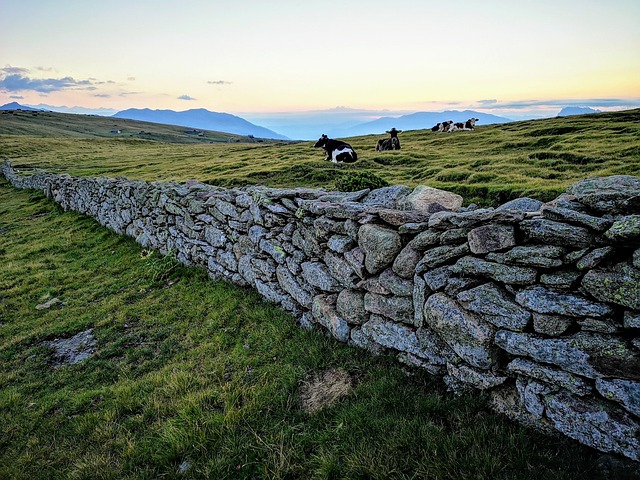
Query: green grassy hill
[537,158]
[72,126]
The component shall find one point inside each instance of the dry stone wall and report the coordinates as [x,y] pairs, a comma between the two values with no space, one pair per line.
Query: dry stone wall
[536,303]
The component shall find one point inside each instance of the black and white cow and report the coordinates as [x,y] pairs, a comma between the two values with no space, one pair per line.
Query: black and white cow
[391,143]
[442,126]
[336,150]
[468,125]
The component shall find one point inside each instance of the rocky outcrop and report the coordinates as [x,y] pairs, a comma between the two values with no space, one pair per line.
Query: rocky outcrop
[537,304]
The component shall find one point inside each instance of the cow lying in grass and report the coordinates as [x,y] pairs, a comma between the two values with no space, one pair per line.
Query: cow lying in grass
[336,150]
[392,143]
[442,126]
[468,125]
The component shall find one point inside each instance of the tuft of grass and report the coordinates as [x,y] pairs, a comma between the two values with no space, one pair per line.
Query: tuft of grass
[206,378]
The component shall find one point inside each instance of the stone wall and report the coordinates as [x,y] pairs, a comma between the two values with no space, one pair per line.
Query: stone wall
[537,304]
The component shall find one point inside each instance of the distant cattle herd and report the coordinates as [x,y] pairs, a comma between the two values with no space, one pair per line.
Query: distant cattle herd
[338,151]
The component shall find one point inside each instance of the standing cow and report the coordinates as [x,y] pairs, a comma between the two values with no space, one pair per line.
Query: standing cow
[336,150]
[392,143]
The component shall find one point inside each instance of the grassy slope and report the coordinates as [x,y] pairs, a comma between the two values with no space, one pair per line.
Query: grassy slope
[206,372]
[538,158]
[72,126]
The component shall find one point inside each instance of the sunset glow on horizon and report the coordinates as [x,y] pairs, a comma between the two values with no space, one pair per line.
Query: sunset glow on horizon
[294,56]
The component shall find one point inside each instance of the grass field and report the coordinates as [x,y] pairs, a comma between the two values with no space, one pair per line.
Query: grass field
[204,375]
[494,163]
[199,379]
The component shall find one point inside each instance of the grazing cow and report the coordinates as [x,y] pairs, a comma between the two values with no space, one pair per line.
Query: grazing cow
[468,125]
[392,143]
[336,150]
[442,127]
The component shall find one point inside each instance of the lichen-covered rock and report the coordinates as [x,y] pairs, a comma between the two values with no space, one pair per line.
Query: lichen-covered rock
[454,236]
[380,246]
[340,243]
[290,284]
[422,197]
[619,287]
[562,280]
[437,278]
[625,230]
[479,379]
[470,337]
[392,335]
[395,284]
[567,215]
[594,258]
[388,197]
[437,256]
[531,395]
[556,233]
[615,194]
[523,204]
[473,218]
[405,263]
[594,423]
[543,300]
[396,308]
[588,354]
[550,375]
[325,314]
[401,217]
[340,269]
[318,275]
[631,319]
[350,306]
[625,392]
[501,273]
[491,238]
[419,297]
[426,239]
[494,305]
[552,325]
[545,256]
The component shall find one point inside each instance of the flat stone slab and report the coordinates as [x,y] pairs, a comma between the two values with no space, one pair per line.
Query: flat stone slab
[69,351]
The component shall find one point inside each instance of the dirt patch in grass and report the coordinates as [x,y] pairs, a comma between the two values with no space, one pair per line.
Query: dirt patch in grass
[324,389]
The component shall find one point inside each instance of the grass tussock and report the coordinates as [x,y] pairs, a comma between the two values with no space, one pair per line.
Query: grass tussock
[191,378]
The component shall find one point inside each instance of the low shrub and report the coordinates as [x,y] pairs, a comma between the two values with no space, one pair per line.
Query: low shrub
[352,182]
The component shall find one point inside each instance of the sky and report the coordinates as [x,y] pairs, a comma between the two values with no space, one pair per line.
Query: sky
[518,59]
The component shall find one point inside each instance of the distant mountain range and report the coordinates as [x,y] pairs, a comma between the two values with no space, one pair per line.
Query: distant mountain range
[340,122]
[568,111]
[17,106]
[419,121]
[200,118]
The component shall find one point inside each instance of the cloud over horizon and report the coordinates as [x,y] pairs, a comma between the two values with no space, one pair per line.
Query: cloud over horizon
[15,79]
[186,97]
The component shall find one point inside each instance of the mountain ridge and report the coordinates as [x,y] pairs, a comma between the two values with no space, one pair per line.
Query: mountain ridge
[200,118]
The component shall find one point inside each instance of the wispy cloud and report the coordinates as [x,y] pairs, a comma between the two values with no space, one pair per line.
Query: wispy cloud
[186,97]
[9,70]
[102,95]
[15,80]
[16,97]
[219,82]
[131,79]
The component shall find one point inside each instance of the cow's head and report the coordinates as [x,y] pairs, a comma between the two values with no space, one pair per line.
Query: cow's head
[393,132]
[322,142]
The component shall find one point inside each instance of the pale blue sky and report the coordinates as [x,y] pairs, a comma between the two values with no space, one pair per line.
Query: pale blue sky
[285,55]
